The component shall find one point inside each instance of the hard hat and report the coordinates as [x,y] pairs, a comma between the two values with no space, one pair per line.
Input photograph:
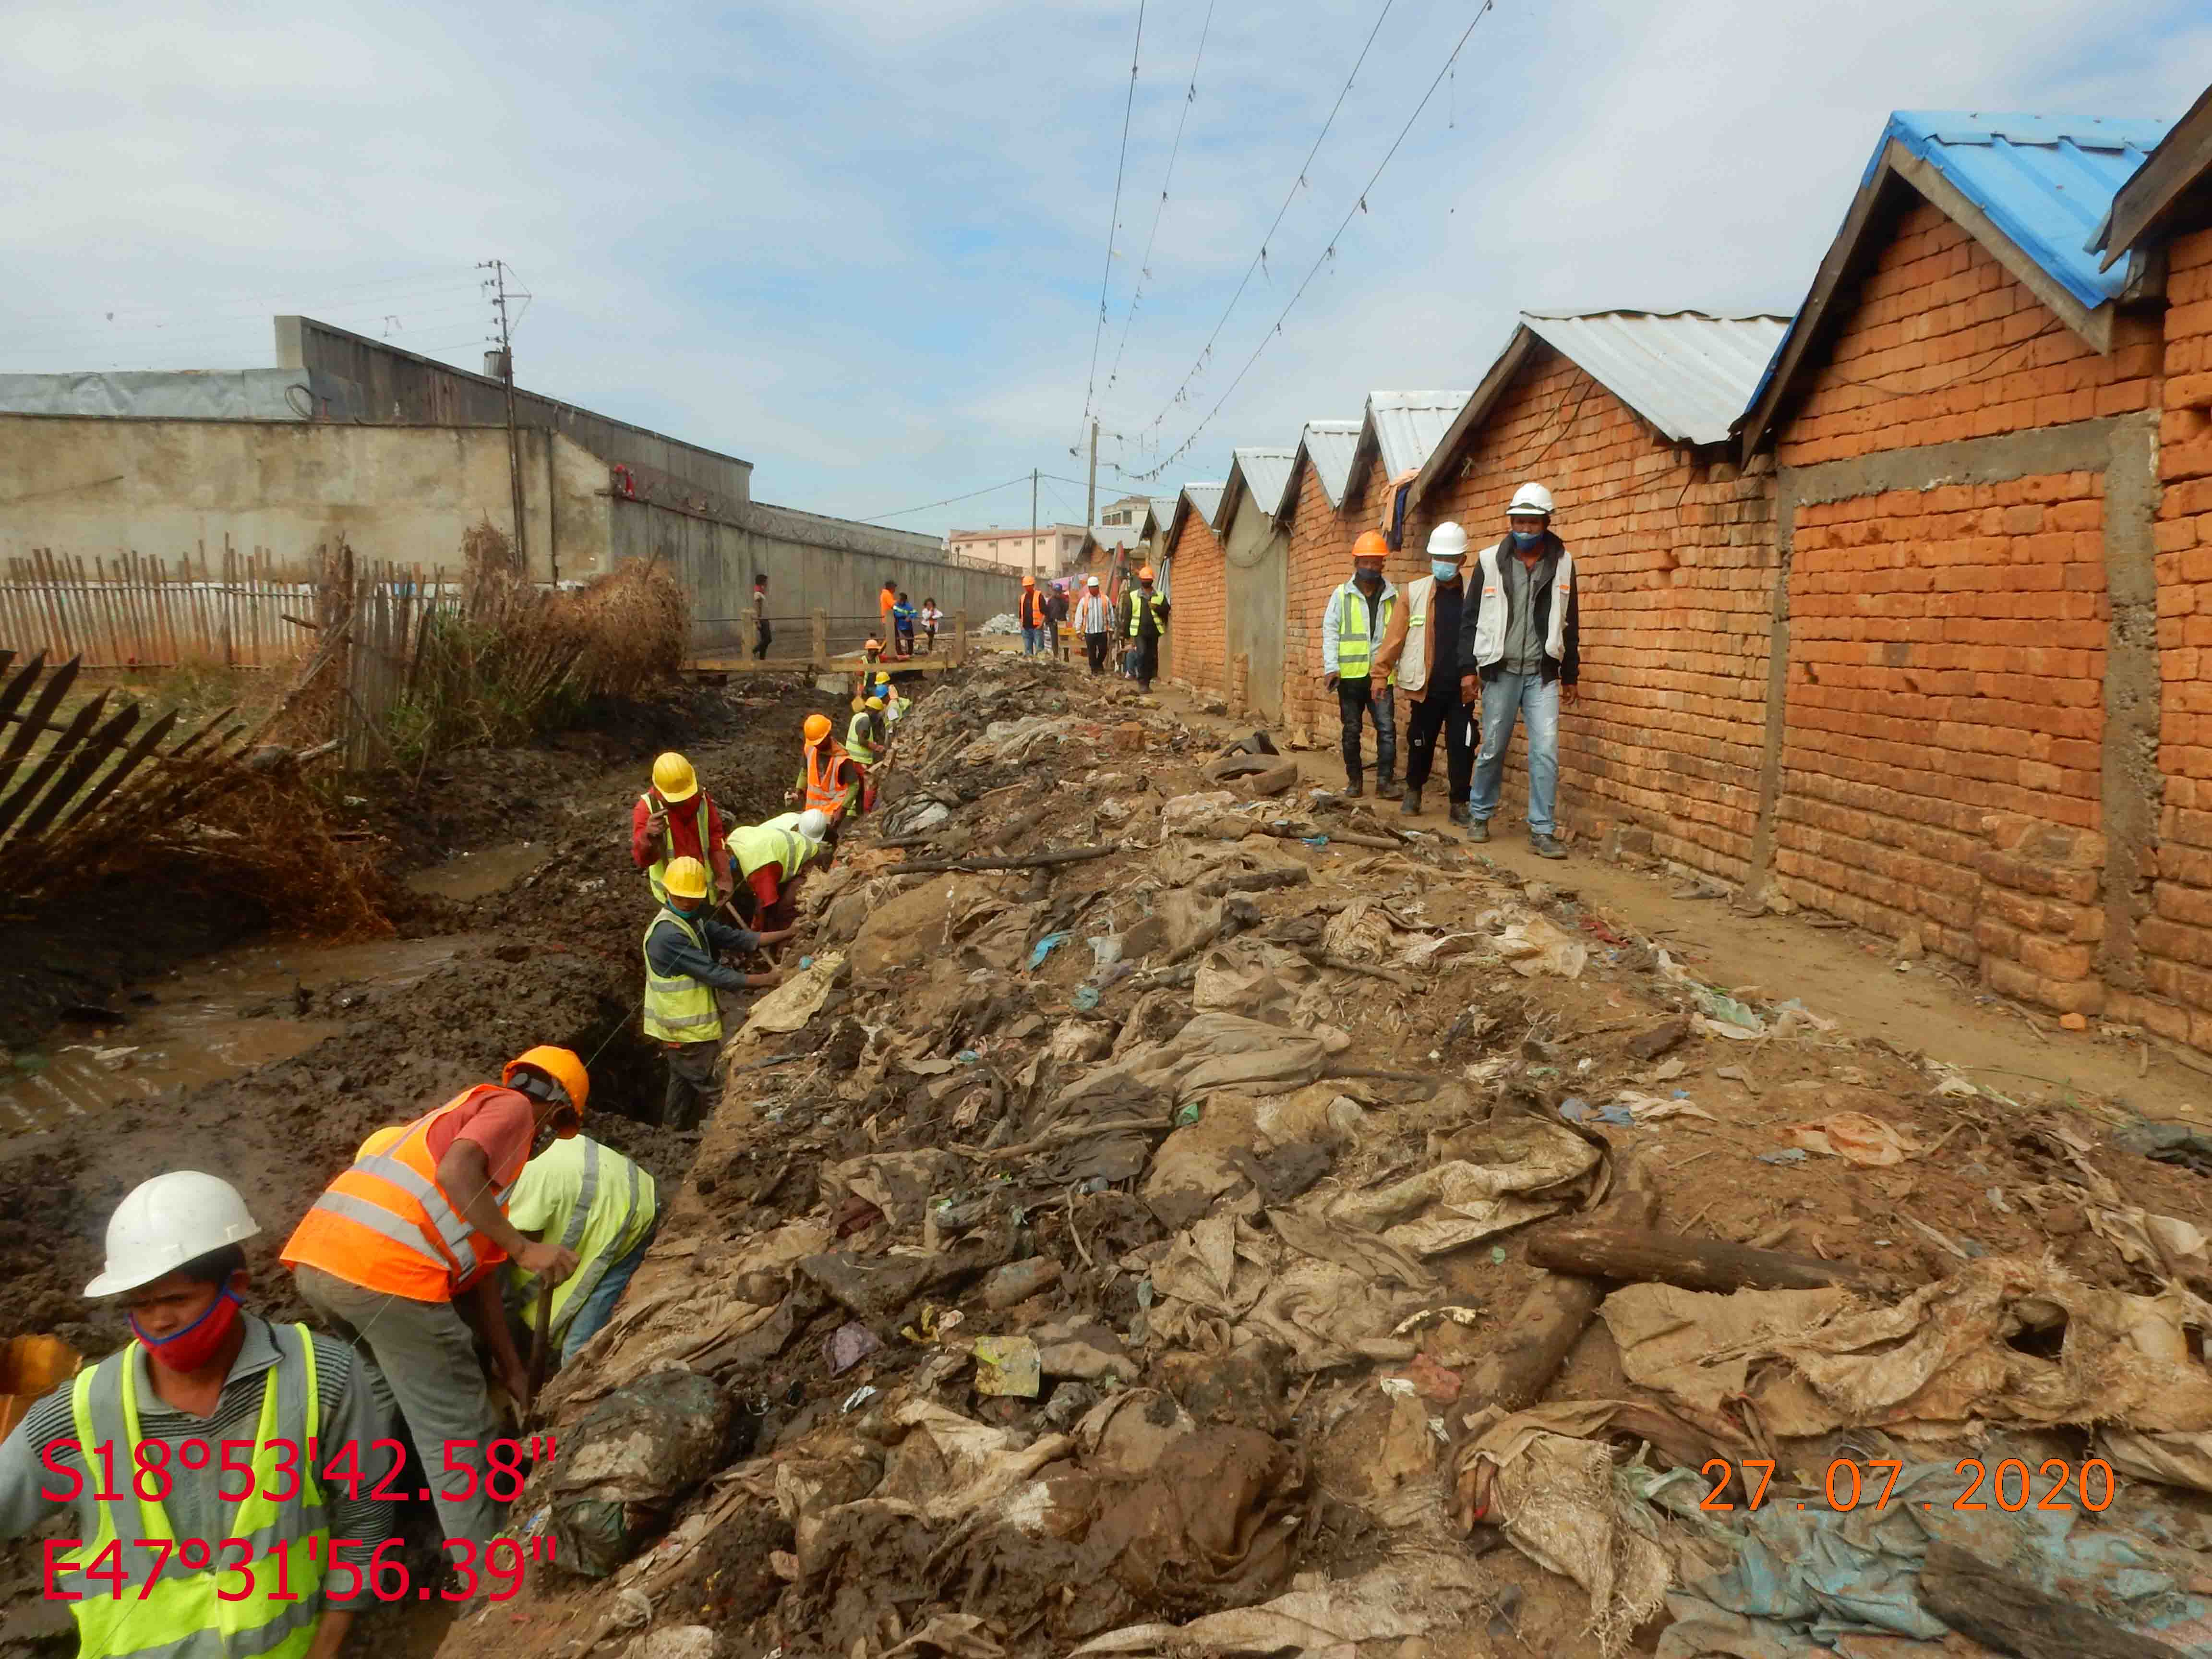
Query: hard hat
[166,1222]
[672,775]
[685,878]
[876,703]
[883,679]
[813,824]
[1029,581]
[1371,545]
[383,1140]
[817,727]
[1447,541]
[562,1064]
[873,644]
[1092,582]
[1144,573]
[1530,498]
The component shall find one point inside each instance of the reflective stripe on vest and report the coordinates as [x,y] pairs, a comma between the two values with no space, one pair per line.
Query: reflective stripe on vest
[656,873]
[1490,620]
[824,793]
[759,845]
[607,1219]
[182,1615]
[1355,650]
[859,737]
[1139,603]
[385,1224]
[679,1009]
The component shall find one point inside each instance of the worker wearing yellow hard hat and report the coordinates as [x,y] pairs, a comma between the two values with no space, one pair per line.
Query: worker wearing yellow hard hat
[398,1256]
[681,944]
[677,818]
[200,1367]
[864,736]
[1144,621]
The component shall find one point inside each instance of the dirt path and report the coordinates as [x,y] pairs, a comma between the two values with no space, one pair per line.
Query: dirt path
[1932,1007]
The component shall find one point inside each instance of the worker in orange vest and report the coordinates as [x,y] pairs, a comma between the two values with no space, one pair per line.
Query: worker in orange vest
[1032,614]
[398,1254]
[828,780]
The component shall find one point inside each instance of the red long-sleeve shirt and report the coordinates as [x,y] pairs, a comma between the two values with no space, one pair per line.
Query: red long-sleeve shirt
[682,836]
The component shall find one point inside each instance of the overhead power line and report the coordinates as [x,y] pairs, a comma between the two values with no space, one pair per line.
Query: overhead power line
[1260,257]
[1145,265]
[1114,219]
[1358,206]
[903,511]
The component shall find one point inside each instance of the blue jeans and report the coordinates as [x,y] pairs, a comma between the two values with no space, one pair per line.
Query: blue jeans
[1032,641]
[598,1305]
[1539,704]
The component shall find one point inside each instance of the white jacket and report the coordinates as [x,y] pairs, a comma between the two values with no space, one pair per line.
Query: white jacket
[1093,615]
[1490,622]
[1332,620]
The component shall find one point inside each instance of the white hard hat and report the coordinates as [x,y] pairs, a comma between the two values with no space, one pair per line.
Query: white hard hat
[166,1222]
[1092,583]
[1530,498]
[813,824]
[1447,541]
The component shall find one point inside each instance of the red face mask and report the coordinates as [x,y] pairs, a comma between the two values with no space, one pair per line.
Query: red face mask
[198,1342]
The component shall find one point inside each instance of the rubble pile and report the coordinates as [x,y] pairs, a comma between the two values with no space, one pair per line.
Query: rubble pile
[1174,1210]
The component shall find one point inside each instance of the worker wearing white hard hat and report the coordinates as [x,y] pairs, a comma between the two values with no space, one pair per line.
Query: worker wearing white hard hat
[200,1374]
[1421,646]
[1519,658]
[1094,620]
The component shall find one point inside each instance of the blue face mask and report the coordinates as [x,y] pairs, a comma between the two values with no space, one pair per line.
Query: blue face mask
[1444,570]
[1527,537]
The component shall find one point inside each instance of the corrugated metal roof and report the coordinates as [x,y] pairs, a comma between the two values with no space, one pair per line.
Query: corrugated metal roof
[2169,185]
[1163,510]
[1266,474]
[1407,425]
[1688,373]
[2046,181]
[1119,537]
[1329,445]
[1205,499]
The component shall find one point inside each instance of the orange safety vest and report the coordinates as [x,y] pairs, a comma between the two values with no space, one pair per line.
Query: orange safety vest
[386,1225]
[825,791]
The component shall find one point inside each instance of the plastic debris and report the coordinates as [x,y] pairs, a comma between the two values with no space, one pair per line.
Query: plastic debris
[1788,1155]
[1008,1365]
[1044,947]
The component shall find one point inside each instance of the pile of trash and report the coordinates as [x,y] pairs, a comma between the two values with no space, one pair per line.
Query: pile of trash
[1175,1209]
[1005,623]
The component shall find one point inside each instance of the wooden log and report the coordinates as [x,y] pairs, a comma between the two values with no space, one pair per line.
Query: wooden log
[1026,861]
[1635,1255]
[2010,1614]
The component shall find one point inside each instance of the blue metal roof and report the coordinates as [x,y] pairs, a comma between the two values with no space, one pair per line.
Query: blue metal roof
[2046,181]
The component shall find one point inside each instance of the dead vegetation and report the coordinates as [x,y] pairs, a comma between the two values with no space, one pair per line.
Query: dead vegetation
[1278,1233]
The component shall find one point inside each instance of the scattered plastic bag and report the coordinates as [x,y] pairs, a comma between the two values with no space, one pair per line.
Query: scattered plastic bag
[1855,1137]
[624,1466]
[1008,1365]
[1534,945]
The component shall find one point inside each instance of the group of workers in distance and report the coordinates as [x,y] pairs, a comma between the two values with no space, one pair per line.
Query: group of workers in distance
[898,617]
[1140,621]
[230,1480]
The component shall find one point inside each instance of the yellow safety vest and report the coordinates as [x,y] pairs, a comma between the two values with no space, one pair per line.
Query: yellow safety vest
[1355,650]
[613,1203]
[860,738]
[656,872]
[182,1615]
[1140,602]
[758,845]
[682,1009]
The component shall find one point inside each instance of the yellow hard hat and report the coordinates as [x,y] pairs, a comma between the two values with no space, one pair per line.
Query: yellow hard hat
[383,1140]
[685,878]
[561,1064]
[817,727]
[672,775]
[876,703]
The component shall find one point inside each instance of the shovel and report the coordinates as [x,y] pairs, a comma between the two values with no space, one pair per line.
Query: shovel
[541,1344]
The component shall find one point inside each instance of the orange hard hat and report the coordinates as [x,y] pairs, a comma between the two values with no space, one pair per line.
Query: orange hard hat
[817,727]
[559,1064]
[1371,545]
[1144,573]
[1029,581]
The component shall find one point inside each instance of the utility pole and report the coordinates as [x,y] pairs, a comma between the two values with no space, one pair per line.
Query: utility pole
[1091,498]
[497,283]
[1033,557]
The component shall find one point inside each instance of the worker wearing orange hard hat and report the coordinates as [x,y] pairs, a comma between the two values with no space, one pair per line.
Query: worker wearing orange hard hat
[1036,620]
[828,780]
[1352,624]
[398,1254]
[1144,620]
[675,818]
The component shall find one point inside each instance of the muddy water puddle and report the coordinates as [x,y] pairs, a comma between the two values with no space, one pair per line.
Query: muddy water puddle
[478,874]
[212,1019]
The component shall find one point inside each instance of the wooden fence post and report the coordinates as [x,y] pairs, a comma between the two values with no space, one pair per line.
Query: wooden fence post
[959,637]
[819,644]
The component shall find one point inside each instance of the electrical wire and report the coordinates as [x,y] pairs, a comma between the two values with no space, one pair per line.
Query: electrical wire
[1358,206]
[1206,351]
[1145,265]
[904,511]
[1114,219]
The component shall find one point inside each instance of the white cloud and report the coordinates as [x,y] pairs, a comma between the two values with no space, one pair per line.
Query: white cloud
[858,241]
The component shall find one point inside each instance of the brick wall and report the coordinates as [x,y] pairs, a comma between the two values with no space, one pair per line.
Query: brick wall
[2176,940]
[1198,624]
[1674,562]
[1944,342]
[1943,757]
[1319,560]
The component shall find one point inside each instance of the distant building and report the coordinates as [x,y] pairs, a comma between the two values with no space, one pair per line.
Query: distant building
[1129,510]
[1043,552]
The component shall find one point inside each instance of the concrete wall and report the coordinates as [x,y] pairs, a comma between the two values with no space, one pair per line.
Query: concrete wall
[811,564]
[166,487]
[353,378]
[1256,555]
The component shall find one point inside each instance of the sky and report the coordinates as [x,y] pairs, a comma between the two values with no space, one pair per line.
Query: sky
[861,243]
